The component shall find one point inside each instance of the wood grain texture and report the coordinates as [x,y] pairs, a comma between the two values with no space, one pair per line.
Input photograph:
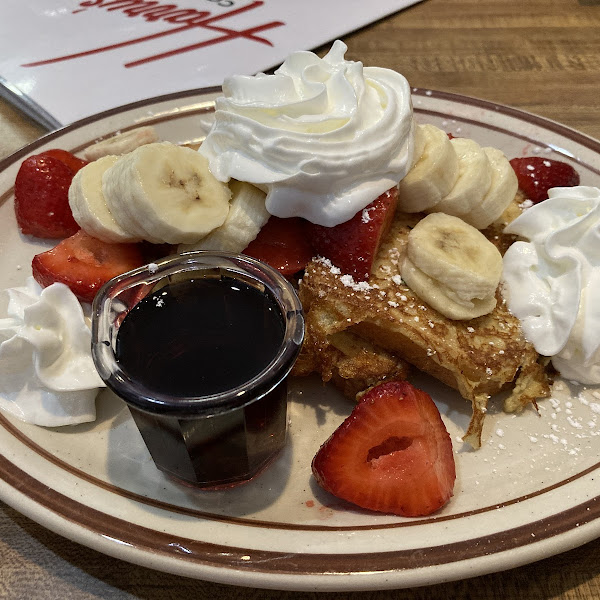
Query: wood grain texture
[540,55]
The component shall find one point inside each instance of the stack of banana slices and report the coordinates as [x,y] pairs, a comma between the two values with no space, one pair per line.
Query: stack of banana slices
[164,193]
[449,263]
[457,177]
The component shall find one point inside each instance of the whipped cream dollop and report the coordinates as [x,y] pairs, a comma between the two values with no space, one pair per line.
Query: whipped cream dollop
[552,280]
[323,137]
[47,376]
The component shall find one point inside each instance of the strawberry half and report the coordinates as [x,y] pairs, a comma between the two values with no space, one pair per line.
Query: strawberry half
[536,175]
[42,198]
[392,454]
[353,245]
[85,264]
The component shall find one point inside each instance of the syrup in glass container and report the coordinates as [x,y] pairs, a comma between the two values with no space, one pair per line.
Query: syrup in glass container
[200,348]
[200,337]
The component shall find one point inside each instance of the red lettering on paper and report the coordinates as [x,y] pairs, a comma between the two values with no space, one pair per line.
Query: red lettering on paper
[189,19]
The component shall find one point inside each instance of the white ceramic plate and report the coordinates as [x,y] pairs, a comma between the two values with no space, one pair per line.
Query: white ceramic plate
[530,492]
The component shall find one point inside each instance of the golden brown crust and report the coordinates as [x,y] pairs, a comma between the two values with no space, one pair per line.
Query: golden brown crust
[479,357]
[351,362]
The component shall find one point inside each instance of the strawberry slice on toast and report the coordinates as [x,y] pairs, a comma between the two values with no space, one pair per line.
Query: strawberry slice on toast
[352,246]
[392,454]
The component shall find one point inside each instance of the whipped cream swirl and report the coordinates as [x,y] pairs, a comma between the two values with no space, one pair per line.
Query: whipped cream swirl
[552,281]
[47,376]
[323,137]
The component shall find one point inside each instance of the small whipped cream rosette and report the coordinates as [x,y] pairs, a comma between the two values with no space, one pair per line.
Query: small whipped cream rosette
[552,281]
[47,376]
[323,137]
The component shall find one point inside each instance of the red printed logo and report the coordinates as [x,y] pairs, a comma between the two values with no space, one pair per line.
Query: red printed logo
[184,19]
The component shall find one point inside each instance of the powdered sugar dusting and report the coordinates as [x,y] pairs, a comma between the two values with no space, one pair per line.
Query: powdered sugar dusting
[327,263]
[534,450]
[567,422]
[358,286]
[526,204]
[347,280]
[366,214]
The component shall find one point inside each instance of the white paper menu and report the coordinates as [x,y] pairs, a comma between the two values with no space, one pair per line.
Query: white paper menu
[62,60]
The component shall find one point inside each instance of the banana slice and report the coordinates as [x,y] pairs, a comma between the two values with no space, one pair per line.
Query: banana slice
[501,193]
[121,143]
[474,179]
[433,175]
[88,204]
[452,266]
[246,218]
[165,193]
[442,298]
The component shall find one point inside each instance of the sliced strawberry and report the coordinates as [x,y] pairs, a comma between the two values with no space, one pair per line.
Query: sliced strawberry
[536,175]
[42,198]
[85,264]
[353,245]
[73,162]
[392,454]
[282,244]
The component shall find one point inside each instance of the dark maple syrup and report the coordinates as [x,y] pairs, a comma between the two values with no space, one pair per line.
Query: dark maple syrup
[200,337]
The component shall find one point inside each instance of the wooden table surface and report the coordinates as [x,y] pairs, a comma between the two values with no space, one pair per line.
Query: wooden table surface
[539,55]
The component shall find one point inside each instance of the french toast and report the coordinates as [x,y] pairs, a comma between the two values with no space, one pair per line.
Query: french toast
[350,361]
[478,357]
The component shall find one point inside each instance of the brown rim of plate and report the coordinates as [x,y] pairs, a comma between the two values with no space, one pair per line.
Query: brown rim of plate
[209,554]
[306,563]
[192,512]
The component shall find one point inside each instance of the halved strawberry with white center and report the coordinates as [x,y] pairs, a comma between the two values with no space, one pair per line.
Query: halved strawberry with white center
[392,454]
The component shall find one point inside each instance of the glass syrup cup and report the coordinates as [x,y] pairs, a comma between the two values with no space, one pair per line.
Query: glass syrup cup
[217,440]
